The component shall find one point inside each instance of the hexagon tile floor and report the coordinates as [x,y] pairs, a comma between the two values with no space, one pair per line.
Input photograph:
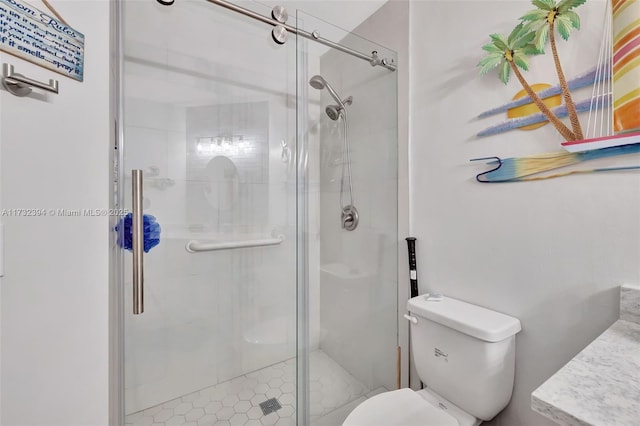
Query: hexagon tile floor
[241,401]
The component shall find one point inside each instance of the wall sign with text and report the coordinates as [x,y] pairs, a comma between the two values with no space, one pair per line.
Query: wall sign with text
[33,35]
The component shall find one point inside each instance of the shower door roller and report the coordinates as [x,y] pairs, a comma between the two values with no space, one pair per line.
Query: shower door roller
[137,241]
[279,13]
[279,34]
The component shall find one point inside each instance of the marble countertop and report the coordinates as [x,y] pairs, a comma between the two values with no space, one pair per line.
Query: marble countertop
[601,385]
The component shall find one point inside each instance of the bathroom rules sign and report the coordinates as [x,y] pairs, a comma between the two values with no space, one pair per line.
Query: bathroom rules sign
[33,35]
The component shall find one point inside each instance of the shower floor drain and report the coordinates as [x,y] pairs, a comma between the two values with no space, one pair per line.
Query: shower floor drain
[270,406]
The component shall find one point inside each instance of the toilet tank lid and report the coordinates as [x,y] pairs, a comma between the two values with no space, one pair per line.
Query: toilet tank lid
[475,321]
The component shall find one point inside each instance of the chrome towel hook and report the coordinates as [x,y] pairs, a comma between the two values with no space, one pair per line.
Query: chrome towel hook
[19,85]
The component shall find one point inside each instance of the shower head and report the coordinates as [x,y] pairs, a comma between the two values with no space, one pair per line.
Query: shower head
[318,82]
[334,111]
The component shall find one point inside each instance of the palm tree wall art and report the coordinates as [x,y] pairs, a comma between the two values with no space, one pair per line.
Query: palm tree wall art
[510,54]
[545,20]
[537,29]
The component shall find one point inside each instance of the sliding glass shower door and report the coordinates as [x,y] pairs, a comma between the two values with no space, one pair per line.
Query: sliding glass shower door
[266,300]
[210,119]
[348,120]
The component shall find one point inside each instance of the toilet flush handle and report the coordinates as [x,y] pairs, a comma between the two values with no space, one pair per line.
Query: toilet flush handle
[412,319]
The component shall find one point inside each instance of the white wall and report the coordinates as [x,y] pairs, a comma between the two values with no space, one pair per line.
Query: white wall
[550,253]
[54,294]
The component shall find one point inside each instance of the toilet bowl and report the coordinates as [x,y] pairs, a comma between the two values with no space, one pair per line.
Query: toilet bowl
[465,355]
[406,407]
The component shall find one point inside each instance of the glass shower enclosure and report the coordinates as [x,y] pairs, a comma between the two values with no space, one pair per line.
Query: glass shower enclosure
[258,306]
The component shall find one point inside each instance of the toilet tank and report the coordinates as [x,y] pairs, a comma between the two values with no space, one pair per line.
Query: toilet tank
[464,353]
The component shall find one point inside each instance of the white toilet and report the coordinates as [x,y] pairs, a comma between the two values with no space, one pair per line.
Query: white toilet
[465,356]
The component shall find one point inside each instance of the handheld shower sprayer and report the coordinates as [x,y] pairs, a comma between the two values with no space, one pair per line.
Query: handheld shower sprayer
[318,82]
[349,214]
[333,111]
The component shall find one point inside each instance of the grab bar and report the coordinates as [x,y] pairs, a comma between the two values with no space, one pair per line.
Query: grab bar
[195,246]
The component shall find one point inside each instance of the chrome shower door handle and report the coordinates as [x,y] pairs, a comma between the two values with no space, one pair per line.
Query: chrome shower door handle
[137,243]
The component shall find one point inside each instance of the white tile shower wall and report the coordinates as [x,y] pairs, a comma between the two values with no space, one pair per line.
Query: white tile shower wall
[312,161]
[54,294]
[358,286]
[550,253]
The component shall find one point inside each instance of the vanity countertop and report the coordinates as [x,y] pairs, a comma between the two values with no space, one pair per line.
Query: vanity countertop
[601,385]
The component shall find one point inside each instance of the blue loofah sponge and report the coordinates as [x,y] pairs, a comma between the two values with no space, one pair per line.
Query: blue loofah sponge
[151,232]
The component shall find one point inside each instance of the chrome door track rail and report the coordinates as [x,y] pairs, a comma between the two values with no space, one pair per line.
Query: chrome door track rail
[372,58]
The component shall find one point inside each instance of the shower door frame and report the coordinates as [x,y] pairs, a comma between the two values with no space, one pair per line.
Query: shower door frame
[116,267]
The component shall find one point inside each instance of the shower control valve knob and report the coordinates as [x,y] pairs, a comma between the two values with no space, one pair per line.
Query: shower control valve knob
[350,218]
